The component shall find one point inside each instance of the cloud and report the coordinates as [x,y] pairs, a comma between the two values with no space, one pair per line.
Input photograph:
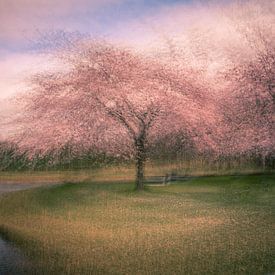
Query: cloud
[199,29]
[21,18]
[15,68]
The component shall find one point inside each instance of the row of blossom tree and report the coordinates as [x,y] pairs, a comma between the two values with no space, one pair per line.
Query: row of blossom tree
[120,101]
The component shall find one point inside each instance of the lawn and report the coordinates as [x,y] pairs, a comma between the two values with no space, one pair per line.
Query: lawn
[207,225]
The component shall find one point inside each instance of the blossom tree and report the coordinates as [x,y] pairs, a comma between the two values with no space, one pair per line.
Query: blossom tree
[111,99]
[252,91]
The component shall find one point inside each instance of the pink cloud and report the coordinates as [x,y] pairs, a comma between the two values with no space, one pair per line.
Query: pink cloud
[13,71]
[20,18]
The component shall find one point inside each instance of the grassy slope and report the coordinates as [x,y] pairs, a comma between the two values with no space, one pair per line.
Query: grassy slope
[218,225]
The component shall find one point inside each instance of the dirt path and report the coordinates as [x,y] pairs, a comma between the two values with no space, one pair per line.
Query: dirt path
[6,187]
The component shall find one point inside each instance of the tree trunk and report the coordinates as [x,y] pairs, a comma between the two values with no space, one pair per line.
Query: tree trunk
[140,163]
[263,161]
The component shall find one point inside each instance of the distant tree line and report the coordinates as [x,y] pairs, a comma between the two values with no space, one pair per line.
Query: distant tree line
[65,158]
[12,159]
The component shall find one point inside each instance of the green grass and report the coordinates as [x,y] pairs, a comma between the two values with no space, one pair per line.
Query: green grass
[210,225]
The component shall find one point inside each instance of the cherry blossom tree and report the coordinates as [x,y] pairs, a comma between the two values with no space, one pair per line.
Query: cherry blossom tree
[111,99]
[252,91]
[238,70]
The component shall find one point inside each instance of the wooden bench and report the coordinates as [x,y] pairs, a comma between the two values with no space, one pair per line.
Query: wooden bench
[165,180]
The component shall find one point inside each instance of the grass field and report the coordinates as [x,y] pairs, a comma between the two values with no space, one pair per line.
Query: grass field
[210,225]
